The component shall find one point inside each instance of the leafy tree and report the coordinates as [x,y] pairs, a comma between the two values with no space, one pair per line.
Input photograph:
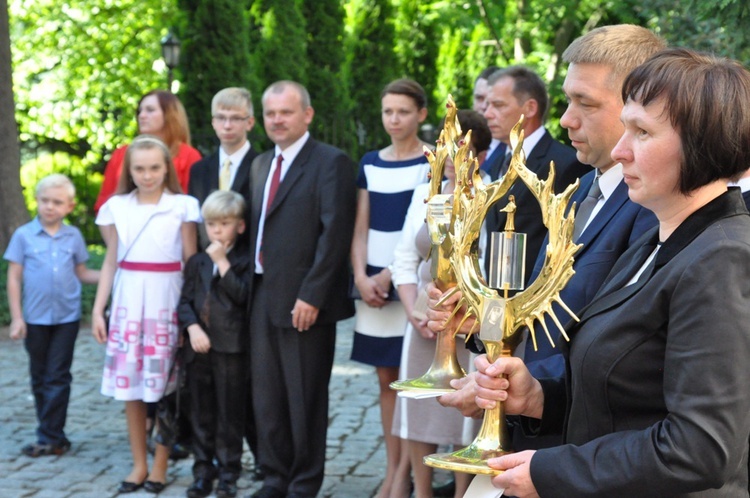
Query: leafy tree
[718,26]
[372,65]
[91,62]
[80,67]
[466,48]
[215,48]
[280,52]
[418,35]
[326,57]
[11,200]
[278,46]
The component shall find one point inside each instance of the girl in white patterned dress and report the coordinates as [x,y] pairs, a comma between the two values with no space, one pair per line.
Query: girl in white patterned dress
[150,230]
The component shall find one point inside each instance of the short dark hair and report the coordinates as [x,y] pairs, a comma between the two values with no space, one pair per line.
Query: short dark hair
[408,87]
[481,136]
[487,73]
[526,85]
[707,100]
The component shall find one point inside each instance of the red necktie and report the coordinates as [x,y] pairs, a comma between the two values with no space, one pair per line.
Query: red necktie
[275,180]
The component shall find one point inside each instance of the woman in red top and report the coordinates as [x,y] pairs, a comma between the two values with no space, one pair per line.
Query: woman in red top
[161,114]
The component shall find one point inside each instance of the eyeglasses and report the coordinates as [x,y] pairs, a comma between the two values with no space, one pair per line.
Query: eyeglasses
[233,120]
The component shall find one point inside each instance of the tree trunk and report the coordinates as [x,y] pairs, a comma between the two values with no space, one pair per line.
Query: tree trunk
[12,205]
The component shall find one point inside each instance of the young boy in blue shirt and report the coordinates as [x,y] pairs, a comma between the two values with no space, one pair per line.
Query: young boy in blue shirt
[46,267]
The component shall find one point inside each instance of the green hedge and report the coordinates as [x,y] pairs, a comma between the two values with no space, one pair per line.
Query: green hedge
[88,292]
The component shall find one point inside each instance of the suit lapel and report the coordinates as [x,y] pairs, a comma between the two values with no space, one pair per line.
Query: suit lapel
[295,172]
[536,160]
[618,198]
[615,291]
[243,170]
[495,161]
[213,174]
[259,174]
[207,273]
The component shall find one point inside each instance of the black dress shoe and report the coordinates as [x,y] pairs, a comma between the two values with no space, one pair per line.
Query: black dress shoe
[129,487]
[154,487]
[226,489]
[298,495]
[268,492]
[200,488]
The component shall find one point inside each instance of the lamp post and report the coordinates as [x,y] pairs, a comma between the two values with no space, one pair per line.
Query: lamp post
[170,51]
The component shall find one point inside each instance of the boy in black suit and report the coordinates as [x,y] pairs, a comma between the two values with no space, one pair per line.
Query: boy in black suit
[212,311]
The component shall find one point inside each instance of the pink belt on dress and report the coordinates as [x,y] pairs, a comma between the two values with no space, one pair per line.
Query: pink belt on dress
[156,267]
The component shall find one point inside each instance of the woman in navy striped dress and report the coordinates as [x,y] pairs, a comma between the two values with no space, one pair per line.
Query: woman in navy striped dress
[386,180]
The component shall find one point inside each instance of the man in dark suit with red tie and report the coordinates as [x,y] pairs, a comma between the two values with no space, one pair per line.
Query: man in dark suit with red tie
[229,167]
[302,219]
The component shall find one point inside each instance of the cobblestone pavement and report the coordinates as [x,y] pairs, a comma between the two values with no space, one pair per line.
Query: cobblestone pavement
[100,456]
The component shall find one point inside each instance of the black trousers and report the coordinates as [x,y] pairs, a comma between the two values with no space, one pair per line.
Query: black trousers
[290,375]
[50,349]
[217,413]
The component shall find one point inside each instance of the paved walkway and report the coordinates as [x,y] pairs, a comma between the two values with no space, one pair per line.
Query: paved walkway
[100,456]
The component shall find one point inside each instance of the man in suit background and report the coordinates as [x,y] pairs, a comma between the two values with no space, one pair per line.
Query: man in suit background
[481,89]
[516,91]
[479,104]
[302,220]
[229,167]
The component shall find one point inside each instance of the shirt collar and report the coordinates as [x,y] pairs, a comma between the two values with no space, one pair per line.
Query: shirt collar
[38,228]
[290,153]
[610,180]
[36,225]
[530,141]
[166,201]
[237,156]
[742,183]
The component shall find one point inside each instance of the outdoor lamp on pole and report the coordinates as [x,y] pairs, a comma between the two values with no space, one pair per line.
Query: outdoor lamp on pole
[170,51]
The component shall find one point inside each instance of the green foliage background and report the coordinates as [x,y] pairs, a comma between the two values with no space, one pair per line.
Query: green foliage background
[80,66]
